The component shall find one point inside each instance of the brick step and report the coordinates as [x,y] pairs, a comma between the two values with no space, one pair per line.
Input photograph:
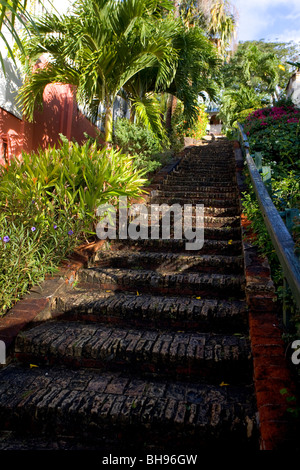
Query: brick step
[10,440]
[213,247]
[211,210]
[204,166]
[131,413]
[198,194]
[198,182]
[212,224]
[202,154]
[167,353]
[206,161]
[152,228]
[197,187]
[208,201]
[222,222]
[168,262]
[206,169]
[152,311]
[208,285]
[204,176]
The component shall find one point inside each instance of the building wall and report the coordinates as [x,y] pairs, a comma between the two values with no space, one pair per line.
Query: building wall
[60,115]
[293,88]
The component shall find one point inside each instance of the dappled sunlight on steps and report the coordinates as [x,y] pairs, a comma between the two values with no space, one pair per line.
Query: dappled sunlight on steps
[150,348]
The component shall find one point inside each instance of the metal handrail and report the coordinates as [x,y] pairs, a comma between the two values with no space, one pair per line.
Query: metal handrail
[279,234]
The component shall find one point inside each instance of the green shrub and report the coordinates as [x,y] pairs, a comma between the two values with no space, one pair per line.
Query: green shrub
[263,241]
[48,204]
[148,151]
[27,255]
[196,129]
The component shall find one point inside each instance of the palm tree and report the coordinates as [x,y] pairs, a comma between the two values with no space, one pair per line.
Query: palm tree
[10,12]
[236,101]
[254,67]
[129,48]
[197,71]
[100,48]
[198,64]
[222,25]
[217,17]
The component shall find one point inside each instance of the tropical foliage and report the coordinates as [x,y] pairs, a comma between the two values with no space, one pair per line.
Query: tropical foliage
[99,48]
[196,130]
[130,48]
[197,72]
[48,205]
[238,103]
[274,132]
[254,77]
[216,17]
[11,12]
[149,152]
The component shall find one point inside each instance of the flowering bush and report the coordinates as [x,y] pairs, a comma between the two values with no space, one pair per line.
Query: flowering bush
[275,131]
[27,255]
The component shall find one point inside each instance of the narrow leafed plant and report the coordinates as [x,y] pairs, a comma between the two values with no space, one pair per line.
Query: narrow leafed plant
[48,206]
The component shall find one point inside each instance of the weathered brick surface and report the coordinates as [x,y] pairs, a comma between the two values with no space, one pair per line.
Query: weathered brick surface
[168,262]
[146,309]
[224,357]
[151,347]
[212,285]
[87,401]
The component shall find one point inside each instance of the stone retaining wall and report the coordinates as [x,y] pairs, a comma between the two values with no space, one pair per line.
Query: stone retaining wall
[272,371]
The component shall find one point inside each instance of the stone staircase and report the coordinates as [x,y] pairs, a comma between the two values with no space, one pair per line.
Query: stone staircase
[150,350]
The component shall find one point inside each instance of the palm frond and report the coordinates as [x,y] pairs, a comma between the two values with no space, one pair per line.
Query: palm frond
[147,110]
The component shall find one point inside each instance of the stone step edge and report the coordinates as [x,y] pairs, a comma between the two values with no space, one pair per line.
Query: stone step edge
[107,347]
[35,306]
[140,309]
[148,404]
[131,280]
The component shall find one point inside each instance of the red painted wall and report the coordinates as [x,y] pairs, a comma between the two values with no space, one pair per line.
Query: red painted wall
[60,114]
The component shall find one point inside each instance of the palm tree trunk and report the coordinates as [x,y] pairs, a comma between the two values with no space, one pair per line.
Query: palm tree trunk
[169,113]
[132,114]
[172,100]
[108,123]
